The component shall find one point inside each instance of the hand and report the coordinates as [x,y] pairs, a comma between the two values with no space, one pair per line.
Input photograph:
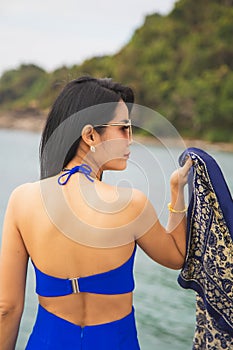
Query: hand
[179,177]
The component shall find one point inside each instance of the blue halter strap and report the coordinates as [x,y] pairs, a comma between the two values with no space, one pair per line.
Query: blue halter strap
[83,168]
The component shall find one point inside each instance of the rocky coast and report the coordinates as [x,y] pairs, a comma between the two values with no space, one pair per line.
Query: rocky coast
[34,120]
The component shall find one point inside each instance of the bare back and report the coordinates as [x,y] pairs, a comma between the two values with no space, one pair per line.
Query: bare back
[54,253]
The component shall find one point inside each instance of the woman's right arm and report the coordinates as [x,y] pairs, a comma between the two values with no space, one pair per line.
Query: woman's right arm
[167,246]
[13,268]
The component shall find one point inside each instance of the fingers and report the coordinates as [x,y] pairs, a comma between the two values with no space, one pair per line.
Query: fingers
[184,170]
[180,176]
[188,163]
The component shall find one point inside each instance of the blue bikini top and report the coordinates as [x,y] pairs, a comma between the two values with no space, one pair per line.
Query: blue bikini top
[117,281]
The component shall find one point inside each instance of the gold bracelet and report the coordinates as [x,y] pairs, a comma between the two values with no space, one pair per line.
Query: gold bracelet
[176,211]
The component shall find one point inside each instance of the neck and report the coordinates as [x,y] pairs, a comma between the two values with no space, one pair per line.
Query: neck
[95,173]
[84,156]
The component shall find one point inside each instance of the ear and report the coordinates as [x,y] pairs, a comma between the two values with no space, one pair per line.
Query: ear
[88,135]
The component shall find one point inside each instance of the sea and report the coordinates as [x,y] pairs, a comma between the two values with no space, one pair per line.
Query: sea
[165,313]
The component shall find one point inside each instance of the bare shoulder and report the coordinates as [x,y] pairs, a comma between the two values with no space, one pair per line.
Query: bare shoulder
[138,196]
[24,190]
[130,200]
[139,200]
[22,195]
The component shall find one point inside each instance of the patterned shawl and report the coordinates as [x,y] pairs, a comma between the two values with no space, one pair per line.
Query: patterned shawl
[208,268]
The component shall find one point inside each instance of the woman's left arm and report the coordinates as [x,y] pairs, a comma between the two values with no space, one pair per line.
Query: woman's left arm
[13,270]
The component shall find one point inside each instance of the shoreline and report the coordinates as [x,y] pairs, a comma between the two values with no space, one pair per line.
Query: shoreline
[33,121]
[30,120]
[205,145]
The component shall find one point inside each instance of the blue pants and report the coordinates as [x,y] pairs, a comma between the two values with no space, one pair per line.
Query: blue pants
[51,332]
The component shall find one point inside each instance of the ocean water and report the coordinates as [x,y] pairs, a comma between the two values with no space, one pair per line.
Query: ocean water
[165,313]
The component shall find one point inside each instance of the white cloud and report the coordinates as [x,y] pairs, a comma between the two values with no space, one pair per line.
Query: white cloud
[52,33]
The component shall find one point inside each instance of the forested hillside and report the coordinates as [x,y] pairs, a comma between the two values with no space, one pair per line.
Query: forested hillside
[181,65]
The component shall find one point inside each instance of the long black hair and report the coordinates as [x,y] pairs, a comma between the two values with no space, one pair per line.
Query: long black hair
[85,100]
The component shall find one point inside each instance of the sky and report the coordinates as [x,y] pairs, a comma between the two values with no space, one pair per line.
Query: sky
[52,33]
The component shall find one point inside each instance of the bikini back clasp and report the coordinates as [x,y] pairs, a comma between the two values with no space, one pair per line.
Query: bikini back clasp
[75,285]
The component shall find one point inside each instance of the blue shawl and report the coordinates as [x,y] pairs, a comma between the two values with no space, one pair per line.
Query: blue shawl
[208,267]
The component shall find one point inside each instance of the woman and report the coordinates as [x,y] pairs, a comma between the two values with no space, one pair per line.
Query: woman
[80,233]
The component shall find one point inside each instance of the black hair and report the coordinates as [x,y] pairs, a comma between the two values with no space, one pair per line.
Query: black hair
[85,100]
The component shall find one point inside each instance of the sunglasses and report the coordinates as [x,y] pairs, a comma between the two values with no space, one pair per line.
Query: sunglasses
[127,126]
